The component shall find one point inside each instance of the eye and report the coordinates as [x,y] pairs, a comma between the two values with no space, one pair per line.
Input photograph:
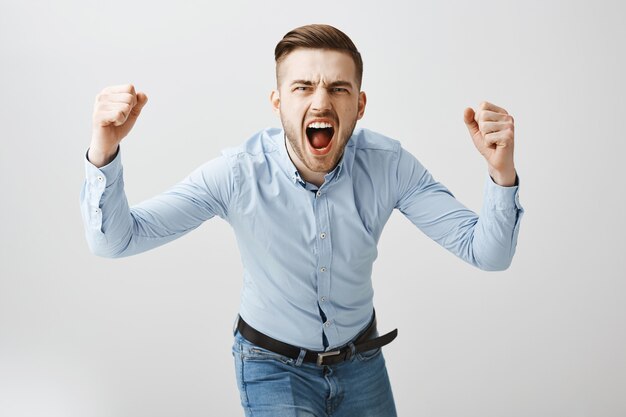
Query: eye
[339,90]
[300,88]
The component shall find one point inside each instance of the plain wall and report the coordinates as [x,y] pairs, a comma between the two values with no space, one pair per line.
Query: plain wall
[151,335]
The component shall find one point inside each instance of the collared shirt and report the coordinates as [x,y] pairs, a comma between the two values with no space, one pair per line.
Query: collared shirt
[307,253]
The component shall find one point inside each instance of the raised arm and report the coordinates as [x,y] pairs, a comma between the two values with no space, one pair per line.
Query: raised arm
[112,228]
[487,241]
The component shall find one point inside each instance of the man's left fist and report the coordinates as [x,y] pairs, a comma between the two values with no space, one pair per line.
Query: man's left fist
[492,130]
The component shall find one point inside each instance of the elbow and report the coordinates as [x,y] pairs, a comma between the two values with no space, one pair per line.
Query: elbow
[495,265]
[492,258]
[497,268]
[100,247]
[104,252]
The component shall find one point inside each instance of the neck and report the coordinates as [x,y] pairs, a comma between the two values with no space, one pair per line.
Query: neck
[315,178]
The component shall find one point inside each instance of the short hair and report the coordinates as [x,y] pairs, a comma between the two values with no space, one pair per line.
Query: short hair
[318,37]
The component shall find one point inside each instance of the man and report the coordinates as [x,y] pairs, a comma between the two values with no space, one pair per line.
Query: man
[308,205]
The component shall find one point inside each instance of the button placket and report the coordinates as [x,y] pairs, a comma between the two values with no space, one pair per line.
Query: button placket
[324,259]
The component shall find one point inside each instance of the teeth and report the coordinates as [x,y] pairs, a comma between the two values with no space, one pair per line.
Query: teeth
[319,125]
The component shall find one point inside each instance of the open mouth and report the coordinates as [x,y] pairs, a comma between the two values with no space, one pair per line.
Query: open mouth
[320,136]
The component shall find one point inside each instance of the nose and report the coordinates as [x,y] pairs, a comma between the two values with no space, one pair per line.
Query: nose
[321,100]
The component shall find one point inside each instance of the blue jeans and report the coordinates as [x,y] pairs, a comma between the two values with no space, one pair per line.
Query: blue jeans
[272,385]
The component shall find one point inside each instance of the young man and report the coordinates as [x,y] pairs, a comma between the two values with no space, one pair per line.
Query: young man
[308,205]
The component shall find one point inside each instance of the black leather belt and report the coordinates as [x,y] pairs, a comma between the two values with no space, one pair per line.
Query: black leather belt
[362,343]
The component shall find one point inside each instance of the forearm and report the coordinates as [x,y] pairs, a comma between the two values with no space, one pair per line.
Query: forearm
[504,178]
[106,214]
[494,237]
[487,241]
[112,228]
[100,157]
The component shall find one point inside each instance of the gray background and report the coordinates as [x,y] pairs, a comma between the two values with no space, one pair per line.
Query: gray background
[151,335]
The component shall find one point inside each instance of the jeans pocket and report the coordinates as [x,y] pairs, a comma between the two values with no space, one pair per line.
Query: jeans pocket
[250,351]
[368,354]
[256,353]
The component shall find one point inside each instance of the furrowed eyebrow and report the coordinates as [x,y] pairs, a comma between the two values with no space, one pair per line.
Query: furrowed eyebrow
[304,82]
[339,83]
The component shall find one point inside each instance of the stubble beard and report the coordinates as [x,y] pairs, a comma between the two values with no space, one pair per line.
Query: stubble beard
[292,134]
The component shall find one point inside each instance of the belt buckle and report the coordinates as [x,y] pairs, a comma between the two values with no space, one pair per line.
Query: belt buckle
[321,356]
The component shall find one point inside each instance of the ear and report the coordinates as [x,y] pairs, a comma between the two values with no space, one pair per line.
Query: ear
[362,103]
[275,100]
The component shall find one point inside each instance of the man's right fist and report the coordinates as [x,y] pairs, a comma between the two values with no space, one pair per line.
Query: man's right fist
[115,111]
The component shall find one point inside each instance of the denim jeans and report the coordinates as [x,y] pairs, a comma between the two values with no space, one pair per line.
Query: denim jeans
[272,385]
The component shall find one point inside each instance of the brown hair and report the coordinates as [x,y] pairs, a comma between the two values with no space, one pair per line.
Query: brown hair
[319,37]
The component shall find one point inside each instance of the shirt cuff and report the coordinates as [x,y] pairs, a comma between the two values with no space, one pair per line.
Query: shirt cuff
[106,175]
[502,198]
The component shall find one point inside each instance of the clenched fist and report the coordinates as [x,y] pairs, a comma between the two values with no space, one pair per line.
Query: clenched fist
[115,112]
[492,130]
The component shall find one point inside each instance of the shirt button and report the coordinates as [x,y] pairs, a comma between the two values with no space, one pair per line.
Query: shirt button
[97,210]
[319,193]
[327,324]
[323,299]
[322,235]
[100,178]
[323,269]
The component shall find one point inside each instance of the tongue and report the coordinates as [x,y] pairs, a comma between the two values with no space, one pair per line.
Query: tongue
[320,138]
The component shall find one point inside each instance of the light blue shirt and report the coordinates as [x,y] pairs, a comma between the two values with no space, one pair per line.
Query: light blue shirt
[307,255]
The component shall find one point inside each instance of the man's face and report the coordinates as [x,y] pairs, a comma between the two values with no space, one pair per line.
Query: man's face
[319,103]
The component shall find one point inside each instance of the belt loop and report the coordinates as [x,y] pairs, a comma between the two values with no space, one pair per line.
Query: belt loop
[300,357]
[352,349]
